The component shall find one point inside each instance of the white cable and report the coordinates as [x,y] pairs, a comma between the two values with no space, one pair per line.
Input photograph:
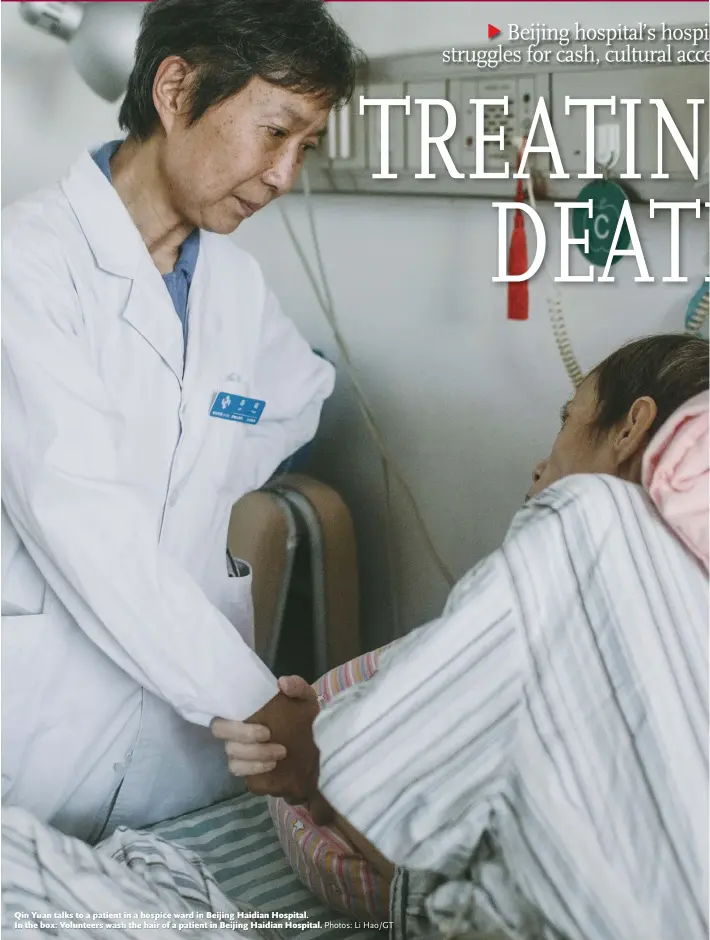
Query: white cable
[370,419]
[325,300]
[556,311]
[564,344]
[700,315]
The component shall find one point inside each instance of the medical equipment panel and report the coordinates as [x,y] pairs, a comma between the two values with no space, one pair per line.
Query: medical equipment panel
[353,162]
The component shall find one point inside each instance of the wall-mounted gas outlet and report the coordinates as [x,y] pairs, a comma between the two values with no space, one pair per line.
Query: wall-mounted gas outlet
[522,94]
[351,160]
[495,119]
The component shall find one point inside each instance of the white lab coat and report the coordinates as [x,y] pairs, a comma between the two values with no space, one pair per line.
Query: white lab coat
[118,636]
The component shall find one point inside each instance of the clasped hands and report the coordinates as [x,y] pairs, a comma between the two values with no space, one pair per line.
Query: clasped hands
[274,750]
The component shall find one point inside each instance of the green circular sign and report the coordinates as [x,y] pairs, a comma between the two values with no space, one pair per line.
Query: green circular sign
[608,200]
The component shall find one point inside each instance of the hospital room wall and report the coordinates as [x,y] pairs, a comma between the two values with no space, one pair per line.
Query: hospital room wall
[467,400]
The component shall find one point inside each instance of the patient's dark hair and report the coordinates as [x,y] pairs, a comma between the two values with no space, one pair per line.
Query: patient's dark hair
[293,43]
[669,368]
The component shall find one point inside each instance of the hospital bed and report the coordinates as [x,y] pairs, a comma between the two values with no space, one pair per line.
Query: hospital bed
[238,843]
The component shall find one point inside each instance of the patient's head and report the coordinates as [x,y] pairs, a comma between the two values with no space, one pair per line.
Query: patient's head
[621,404]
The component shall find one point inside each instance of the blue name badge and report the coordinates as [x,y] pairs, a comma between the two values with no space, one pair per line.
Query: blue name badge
[236,408]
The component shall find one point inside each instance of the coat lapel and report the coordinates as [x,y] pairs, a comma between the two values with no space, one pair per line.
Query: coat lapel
[150,311]
[118,249]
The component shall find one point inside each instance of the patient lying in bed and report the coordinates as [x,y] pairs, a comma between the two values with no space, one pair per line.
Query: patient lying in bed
[544,709]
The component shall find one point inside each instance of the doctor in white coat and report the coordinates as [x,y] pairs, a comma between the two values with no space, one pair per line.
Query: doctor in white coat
[138,343]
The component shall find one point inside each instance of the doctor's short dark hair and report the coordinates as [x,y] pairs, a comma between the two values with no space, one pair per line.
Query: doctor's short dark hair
[292,43]
[669,368]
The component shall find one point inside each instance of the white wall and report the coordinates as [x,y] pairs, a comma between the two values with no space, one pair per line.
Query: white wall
[48,114]
[411,26]
[468,400]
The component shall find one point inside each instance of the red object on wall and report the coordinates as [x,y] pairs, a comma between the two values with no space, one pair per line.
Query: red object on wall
[518,300]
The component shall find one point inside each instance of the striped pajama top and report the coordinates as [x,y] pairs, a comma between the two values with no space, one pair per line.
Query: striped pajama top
[558,711]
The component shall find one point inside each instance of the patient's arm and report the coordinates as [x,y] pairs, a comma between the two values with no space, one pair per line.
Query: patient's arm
[323,814]
[365,848]
[293,777]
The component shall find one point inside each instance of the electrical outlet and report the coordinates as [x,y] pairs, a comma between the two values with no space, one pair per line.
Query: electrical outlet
[522,101]
[524,106]
[495,118]
[438,121]
[396,128]
[464,140]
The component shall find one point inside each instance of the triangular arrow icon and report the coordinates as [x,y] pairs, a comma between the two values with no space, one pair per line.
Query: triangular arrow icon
[493,31]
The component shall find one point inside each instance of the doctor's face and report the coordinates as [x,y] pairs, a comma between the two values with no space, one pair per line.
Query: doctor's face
[240,155]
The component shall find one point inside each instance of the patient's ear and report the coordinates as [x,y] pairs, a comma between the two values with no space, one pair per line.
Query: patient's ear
[632,436]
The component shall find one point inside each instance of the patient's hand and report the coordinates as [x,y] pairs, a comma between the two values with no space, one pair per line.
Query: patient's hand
[289,718]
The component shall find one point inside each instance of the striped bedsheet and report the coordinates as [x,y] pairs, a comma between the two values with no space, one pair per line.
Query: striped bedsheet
[238,843]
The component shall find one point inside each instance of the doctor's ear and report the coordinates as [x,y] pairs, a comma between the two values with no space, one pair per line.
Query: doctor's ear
[632,435]
[172,89]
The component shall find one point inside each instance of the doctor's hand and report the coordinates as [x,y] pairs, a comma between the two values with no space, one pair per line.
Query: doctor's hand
[249,747]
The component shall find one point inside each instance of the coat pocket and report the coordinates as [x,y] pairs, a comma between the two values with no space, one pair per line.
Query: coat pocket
[237,603]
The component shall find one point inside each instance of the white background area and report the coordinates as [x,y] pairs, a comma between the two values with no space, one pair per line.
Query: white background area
[468,400]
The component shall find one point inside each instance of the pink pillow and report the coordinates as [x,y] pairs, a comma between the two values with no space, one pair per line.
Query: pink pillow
[676,473]
[321,857]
